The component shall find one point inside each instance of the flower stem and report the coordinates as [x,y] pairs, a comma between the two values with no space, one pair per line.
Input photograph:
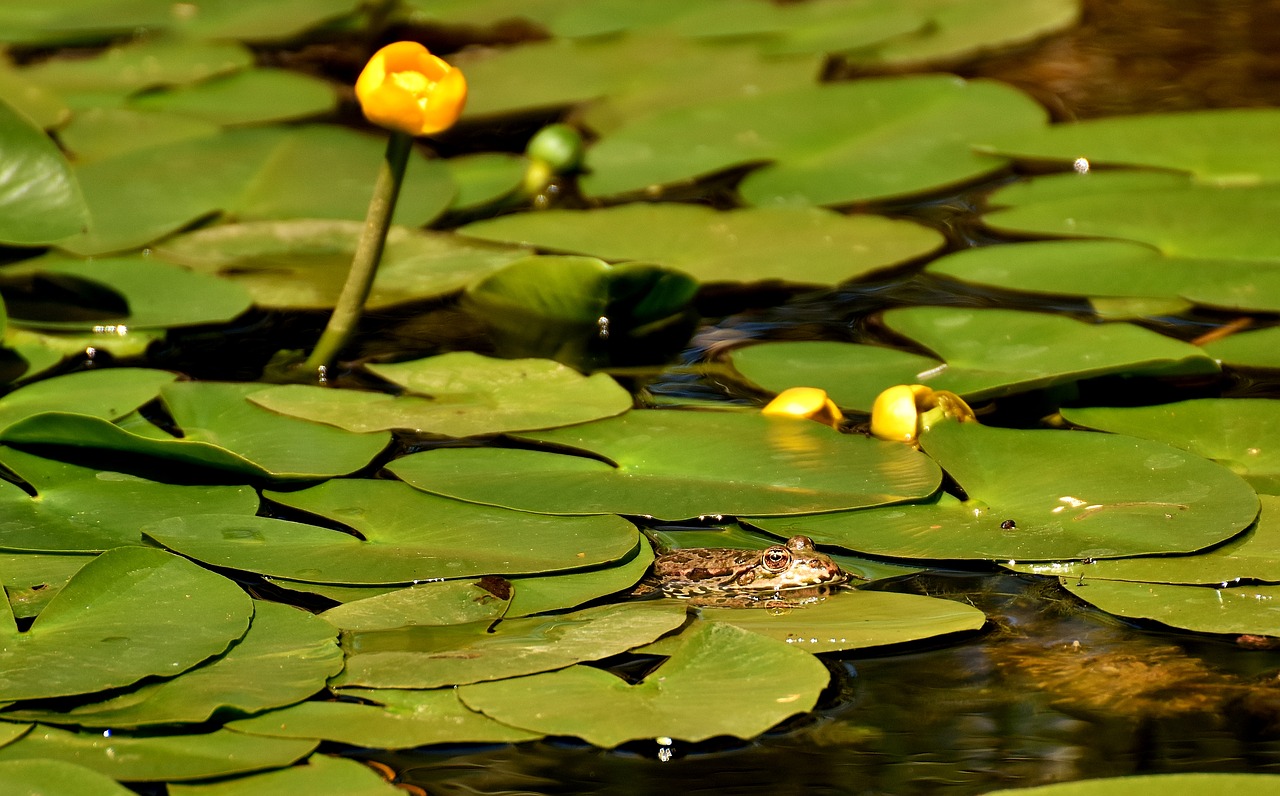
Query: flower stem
[364,265]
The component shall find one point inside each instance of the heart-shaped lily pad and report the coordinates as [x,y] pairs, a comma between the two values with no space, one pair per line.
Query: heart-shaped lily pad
[159,757]
[406,536]
[1204,609]
[286,656]
[168,613]
[458,394]
[674,464]
[1106,496]
[719,681]
[409,719]
[431,657]
[320,775]
[222,429]
[118,505]
[794,245]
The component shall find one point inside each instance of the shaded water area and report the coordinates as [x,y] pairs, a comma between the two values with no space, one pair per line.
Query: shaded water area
[1051,689]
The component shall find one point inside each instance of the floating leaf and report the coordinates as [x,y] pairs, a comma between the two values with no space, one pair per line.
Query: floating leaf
[1155,785]
[855,620]
[1203,609]
[84,510]
[720,681]
[98,133]
[286,656]
[1260,349]
[56,778]
[793,245]
[31,580]
[830,144]
[277,21]
[167,612]
[405,536]
[40,202]
[320,775]
[450,602]
[140,64]
[826,27]
[535,595]
[430,657]
[458,394]
[302,264]
[1107,496]
[221,429]
[161,757]
[158,295]
[485,177]
[1242,434]
[673,465]
[254,96]
[110,393]
[410,719]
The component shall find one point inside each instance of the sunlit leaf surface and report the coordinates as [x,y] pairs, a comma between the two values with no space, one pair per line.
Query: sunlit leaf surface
[320,775]
[40,202]
[1204,609]
[57,778]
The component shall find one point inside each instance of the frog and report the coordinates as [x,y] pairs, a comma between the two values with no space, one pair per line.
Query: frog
[780,569]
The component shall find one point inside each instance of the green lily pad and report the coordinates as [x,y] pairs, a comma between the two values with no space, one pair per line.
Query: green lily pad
[460,394]
[84,510]
[286,656]
[674,465]
[1235,432]
[222,429]
[98,133]
[431,657]
[851,374]
[826,28]
[79,21]
[793,245]
[849,620]
[558,591]
[158,295]
[161,757]
[1169,212]
[141,64]
[39,105]
[485,177]
[1155,785]
[56,778]
[43,350]
[254,96]
[189,614]
[320,775]
[31,580]
[410,719]
[142,195]
[1258,349]
[110,393]
[1214,146]
[720,681]
[277,21]
[1203,609]
[10,732]
[405,536]
[450,602]
[40,202]
[1106,496]
[831,144]
[302,264]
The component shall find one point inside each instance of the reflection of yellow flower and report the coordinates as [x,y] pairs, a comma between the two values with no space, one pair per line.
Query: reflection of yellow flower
[805,402]
[406,88]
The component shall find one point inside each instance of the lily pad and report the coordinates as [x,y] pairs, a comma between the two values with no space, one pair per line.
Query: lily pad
[98,133]
[158,757]
[56,778]
[140,64]
[320,775]
[254,96]
[720,681]
[558,591]
[409,719]
[277,21]
[450,602]
[1257,349]
[85,510]
[221,430]
[831,27]
[406,536]
[459,394]
[286,656]
[190,615]
[1203,609]
[831,144]
[1242,434]
[1106,496]
[158,295]
[793,245]
[431,657]
[849,620]
[1155,785]
[674,464]
[40,202]
[110,393]
[1253,555]
[31,580]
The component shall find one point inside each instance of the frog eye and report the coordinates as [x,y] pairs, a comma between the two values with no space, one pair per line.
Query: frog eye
[776,559]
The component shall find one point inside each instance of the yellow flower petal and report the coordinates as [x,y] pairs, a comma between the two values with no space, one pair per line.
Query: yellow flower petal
[404,87]
[809,403]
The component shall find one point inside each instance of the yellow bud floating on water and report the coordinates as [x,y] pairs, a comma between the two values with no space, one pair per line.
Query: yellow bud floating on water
[809,403]
[406,88]
[901,412]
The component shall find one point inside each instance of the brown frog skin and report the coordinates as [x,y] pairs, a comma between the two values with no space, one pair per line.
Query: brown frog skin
[707,570]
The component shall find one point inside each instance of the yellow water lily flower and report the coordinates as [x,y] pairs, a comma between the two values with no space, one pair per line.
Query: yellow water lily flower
[404,87]
[901,412]
[809,403]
